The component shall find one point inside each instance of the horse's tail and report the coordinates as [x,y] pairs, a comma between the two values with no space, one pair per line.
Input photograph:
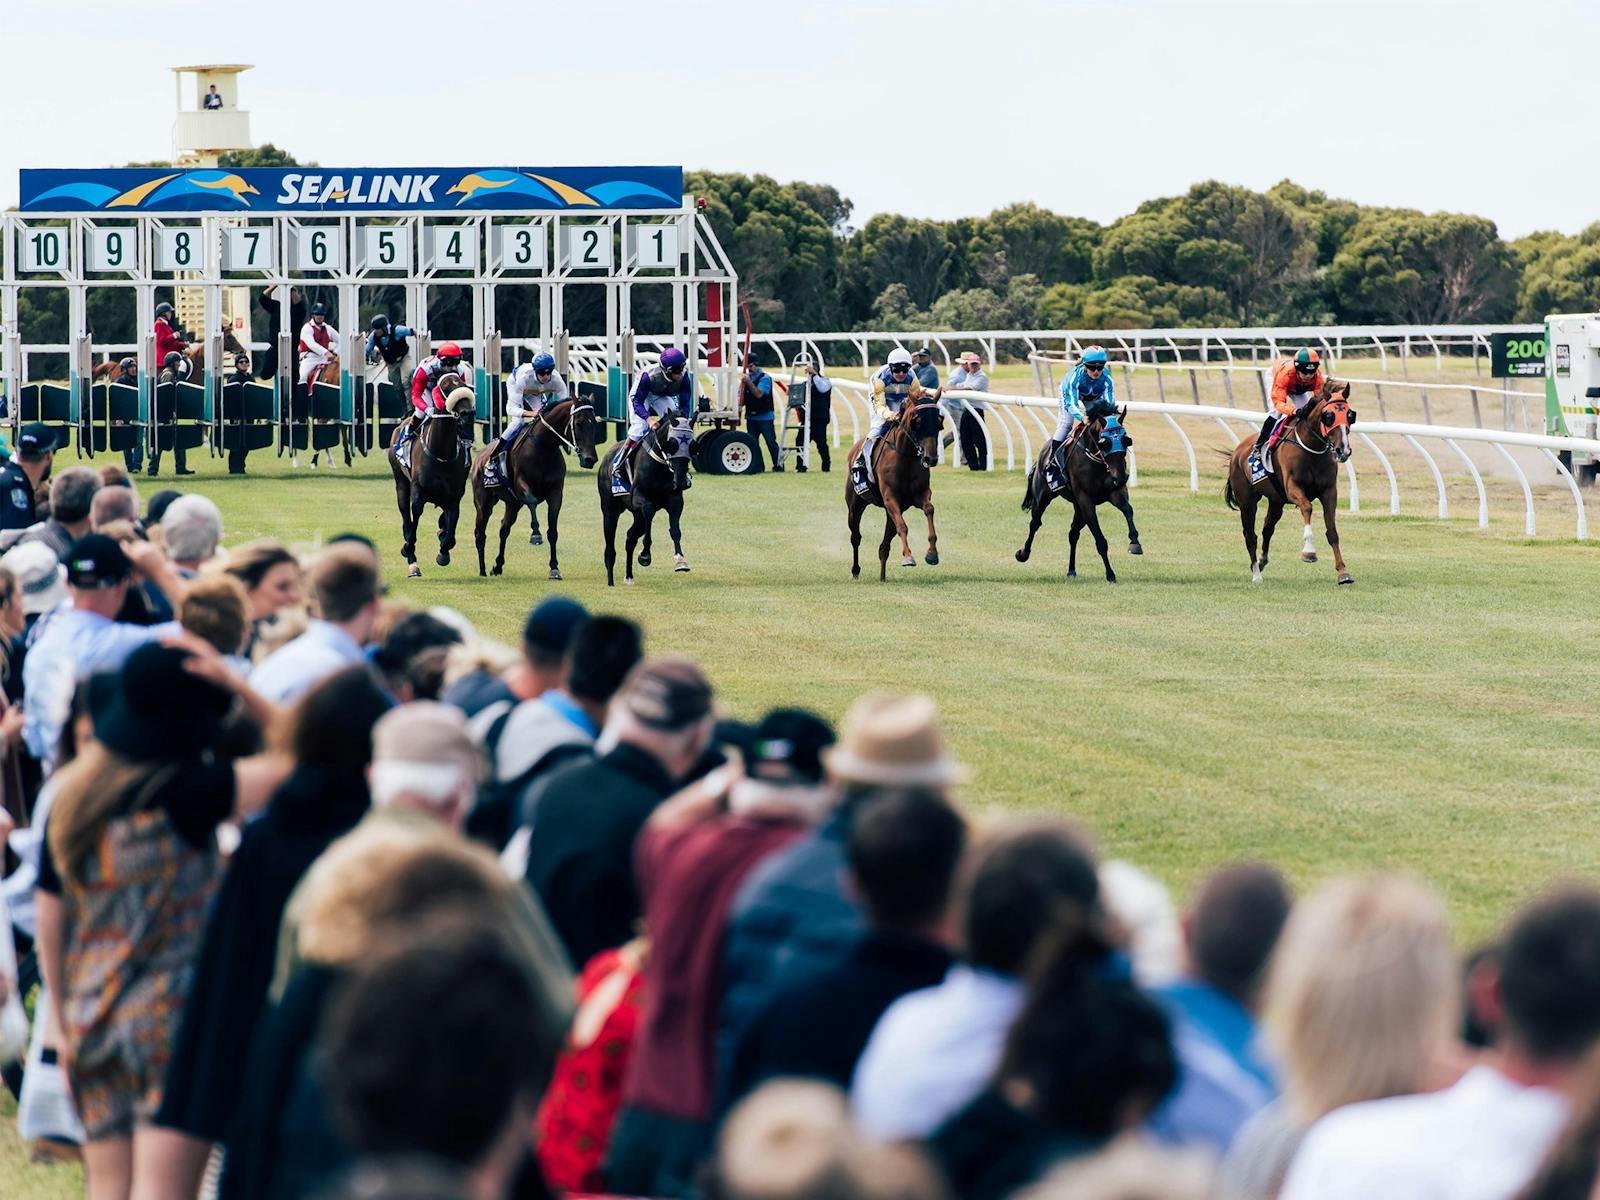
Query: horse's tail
[1227,491]
[1027,490]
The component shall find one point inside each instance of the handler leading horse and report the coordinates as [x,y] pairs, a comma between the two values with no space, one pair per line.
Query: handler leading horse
[536,471]
[1096,473]
[1305,470]
[901,479]
[437,471]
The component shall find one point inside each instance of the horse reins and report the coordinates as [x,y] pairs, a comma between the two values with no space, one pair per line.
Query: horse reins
[903,427]
[567,441]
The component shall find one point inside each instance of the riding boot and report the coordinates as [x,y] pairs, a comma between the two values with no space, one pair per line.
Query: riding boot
[860,477]
[618,488]
[1054,479]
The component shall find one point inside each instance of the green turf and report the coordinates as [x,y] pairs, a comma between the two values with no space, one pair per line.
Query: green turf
[1438,716]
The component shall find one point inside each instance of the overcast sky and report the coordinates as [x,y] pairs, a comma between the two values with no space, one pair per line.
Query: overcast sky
[936,109]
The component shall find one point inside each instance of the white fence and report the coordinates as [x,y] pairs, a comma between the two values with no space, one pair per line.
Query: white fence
[1008,433]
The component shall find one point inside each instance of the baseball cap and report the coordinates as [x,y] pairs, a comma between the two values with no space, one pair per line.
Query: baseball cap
[787,745]
[926,350]
[669,693]
[553,623]
[96,561]
[40,576]
[36,438]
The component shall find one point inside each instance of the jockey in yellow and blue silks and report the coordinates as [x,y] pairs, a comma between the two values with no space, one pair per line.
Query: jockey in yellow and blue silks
[892,387]
[1086,393]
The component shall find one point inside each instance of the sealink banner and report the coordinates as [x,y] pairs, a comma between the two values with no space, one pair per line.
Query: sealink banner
[352,189]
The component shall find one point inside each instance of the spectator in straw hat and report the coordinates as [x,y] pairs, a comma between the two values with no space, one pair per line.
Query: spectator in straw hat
[587,815]
[969,377]
[793,918]
[935,1050]
[43,582]
[689,861]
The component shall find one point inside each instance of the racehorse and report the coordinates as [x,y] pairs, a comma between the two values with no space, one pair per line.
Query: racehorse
[195,353]
[1096,473]
[536,470]
[1307,470]
[659,476]
[437,473]
[901,479]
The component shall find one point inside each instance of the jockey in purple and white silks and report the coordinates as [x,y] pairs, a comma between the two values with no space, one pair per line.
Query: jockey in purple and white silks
[665,388]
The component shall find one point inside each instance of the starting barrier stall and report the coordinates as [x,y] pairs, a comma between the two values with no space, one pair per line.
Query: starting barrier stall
[484,229]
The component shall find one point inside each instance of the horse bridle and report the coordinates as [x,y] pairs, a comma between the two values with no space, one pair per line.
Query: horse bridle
[433,415]
[1327,442]
[567,442]
[902,427]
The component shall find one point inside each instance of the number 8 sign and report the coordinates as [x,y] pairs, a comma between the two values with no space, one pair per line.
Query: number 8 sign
[179,249]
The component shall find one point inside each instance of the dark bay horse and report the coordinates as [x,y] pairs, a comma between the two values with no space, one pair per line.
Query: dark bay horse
[901,479]
[536,469]
[437,473]
[1096,473]
[1306,471]
[659,475]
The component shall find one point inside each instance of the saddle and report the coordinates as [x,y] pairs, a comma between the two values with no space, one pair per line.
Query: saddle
[497,470]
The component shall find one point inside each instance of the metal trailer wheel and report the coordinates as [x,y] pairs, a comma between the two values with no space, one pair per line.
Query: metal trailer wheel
[734,453]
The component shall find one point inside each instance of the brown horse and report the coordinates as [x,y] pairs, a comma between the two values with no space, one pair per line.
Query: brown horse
[901,479]
[195,353]
[1096,473]
[437,472]
[537,469]
[1306,470]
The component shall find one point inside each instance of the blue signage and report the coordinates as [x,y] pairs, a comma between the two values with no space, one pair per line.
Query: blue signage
[351,189]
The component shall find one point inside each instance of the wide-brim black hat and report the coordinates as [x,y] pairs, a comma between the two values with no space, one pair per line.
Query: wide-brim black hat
[161,710]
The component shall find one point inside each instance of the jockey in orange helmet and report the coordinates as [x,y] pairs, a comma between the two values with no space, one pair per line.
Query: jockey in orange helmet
[1296,383]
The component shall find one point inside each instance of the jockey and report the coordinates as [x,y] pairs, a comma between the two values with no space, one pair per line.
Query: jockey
[1087,392]
[661,390]
[891,388]
[1296,383]
[167,339]
[425,381]
[319,342]
[534,388]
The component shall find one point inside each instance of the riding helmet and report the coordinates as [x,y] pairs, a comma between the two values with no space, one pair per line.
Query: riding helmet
[380,322]
[899,356]
[1095,354]
[319,310]
[672,357]
[544,362]
[1308,358]
[163,309]
[450,350]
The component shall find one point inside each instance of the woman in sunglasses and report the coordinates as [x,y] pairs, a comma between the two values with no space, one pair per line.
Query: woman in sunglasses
[1296,383]
[1087,391]
[891,388]
[662,389]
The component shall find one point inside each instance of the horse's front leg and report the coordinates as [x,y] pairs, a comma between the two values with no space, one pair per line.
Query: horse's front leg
[675,528]
[1100,543]
[1072,542]
[484,507]
[418,503]
[448,516]
[1125,507]
[1330,507]
[408,523]
[552,517]
[883,548]
[642,517]
[534,538]
[508,522]
[932,557]
[610,514]
[897,519]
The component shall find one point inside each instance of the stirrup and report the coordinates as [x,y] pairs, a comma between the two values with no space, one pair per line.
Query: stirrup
[1258,466]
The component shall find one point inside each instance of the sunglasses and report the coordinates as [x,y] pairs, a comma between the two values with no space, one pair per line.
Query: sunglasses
[545,372]
[674,371]
[1306,368]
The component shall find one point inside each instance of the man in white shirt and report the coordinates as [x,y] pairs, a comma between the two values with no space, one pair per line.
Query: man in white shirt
[1483,1138]
[348,591]
[934,1050]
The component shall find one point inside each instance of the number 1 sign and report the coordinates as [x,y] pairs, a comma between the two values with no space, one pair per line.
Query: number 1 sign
[656,245]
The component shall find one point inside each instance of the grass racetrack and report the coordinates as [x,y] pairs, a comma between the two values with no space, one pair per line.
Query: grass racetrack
[1438,716]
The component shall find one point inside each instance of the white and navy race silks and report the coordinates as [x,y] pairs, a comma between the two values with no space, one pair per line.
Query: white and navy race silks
[526,395]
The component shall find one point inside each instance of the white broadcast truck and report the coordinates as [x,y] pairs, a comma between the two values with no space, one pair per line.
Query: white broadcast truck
[1572,385]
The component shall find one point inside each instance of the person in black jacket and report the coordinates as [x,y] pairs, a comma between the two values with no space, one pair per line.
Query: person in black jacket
[760,419]
[902,853]
[580,858]
[321,800]
[298,314]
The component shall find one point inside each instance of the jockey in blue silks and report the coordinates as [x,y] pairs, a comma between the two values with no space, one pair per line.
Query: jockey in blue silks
[1086,393]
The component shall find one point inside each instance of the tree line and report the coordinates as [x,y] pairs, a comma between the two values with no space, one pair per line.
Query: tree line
[1218,255]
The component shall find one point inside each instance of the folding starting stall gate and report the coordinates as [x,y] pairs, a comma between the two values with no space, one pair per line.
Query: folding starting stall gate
[271,228]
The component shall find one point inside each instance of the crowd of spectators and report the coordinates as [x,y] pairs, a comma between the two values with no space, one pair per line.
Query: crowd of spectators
[318,895]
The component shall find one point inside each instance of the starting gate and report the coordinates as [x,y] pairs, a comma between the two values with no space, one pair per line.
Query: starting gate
[272,229]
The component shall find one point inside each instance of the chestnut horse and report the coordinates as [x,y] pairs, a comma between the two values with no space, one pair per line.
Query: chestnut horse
[437,472]
[196,354]
[1306,471]
[901,479]
[536,467]
[1096,473]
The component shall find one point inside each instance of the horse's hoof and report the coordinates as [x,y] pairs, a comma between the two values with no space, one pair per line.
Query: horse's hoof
[1346,578]
[555,574]
[1110,578]
[442,559]
[415,572]
[1135,548]
[628,581]
[931,558]
[1308,556]
[497,569]
[855,572]
[1072,574]
[681,564]
[1022,556]
[1255,577]
[908,561]
[644,560]
[534,539]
